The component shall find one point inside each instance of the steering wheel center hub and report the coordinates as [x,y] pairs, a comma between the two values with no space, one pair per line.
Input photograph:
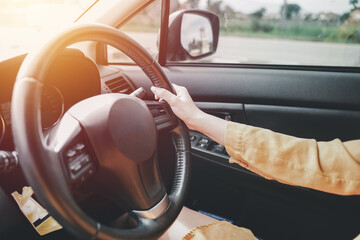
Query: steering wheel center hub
[132,129]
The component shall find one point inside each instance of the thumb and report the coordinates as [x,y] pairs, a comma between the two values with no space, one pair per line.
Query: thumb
[164,94]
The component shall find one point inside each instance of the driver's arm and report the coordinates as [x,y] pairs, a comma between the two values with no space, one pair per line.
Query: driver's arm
[332,167]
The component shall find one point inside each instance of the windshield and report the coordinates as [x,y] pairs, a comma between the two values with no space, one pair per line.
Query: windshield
[26,24]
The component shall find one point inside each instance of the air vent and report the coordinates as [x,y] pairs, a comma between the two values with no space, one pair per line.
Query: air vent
[119,85]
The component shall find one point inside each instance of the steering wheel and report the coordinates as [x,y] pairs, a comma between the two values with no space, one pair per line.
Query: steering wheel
[107,140]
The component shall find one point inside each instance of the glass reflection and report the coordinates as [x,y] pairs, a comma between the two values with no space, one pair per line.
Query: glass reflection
[196,34]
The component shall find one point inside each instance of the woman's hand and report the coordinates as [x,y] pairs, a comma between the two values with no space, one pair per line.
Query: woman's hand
[181,104]
[185,109]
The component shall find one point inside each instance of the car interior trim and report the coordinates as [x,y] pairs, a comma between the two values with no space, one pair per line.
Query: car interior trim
[263,66]
[164,29]
[3,128]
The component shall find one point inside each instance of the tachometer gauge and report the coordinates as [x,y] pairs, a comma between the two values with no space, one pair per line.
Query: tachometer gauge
[2,128]
[52,106]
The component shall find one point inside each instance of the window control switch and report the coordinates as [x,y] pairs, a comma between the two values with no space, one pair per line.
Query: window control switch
[202,145]
[204,141]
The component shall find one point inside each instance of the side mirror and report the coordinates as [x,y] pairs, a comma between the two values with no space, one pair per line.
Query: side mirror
[192,34]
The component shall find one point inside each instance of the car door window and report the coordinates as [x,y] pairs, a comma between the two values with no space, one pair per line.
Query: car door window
[280,32]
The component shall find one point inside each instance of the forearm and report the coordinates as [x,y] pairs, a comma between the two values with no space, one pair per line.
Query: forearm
[327,166]
[209,125]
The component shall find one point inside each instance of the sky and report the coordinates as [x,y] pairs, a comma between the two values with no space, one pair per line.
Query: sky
[273,6]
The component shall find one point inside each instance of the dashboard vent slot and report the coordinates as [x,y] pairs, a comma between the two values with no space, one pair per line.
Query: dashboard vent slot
[119,85]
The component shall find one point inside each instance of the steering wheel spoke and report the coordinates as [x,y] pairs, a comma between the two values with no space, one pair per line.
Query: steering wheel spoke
[68,141]
[164,118]
[79,162]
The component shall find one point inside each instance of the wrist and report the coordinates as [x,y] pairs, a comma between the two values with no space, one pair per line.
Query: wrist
[195,121]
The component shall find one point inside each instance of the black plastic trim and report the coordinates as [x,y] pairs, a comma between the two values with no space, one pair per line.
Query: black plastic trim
[165,10]
[269,66]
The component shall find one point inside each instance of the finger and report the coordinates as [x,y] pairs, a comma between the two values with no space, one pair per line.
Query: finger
[153,89]
[164,94]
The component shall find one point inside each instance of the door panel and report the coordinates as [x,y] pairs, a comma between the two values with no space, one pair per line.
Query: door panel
[320,124]
[319,89]
[311,104]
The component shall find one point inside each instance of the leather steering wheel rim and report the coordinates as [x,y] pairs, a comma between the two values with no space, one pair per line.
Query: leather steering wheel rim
[40,166]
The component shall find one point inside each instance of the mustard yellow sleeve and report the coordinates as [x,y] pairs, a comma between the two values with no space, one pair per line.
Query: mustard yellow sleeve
[332,167]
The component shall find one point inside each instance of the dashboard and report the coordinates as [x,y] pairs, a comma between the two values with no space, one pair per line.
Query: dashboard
[71,78]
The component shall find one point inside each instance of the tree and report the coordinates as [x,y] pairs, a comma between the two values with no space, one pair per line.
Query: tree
[290,10]
[193,4]
[354,3]
[215,6]
[259,13]
[229,11]
[344,17]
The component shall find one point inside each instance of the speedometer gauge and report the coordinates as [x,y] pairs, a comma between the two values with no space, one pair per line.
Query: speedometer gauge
[52,106]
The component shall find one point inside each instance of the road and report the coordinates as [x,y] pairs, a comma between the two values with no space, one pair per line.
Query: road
[276,51]
[230,49]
